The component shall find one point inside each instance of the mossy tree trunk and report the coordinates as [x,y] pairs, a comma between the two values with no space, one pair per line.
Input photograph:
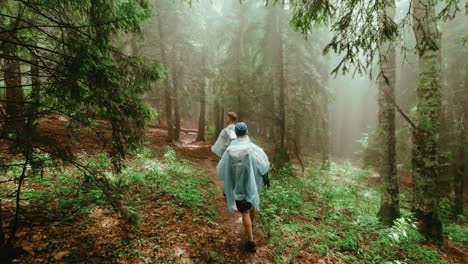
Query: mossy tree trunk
[461,153]
[389,203]
[425,137]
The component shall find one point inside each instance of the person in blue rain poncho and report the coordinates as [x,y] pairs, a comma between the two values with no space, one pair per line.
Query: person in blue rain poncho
[244,168]
[226,136]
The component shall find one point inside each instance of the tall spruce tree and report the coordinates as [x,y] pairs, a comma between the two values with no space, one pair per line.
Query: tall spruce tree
[425,158]
[78,71]
[389,203]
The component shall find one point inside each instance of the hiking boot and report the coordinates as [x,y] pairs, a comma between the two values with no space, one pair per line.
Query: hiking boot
[250,247]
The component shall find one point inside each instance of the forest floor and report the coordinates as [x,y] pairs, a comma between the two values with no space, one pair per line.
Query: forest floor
[305,220]
[169,232]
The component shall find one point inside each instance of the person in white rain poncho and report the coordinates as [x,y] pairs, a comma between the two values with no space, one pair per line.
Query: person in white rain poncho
[226,136]
[244,168]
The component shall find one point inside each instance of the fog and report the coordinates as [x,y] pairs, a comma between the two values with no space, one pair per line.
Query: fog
[353,113]
[232,52]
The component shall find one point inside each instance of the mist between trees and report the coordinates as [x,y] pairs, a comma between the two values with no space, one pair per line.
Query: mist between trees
[381,83]
[379,58]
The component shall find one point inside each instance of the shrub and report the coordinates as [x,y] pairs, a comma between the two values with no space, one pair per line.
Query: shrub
[333,214]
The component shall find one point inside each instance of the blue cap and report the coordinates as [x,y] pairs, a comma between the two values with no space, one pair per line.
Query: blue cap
[241,128]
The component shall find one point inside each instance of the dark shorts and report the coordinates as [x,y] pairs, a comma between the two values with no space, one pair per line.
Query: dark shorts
[243,206]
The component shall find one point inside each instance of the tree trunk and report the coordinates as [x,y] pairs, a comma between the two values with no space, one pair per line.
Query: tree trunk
[175,84]
[222,118]
[425,136]
[282,155]
[461,169]
[389,203]
[2,233]
[33,107]
[218,117]
[270,126]
[201,118]
[159,110]
[297,141]
[14,109]
[461,159]
[282,98]
[240,103]
[298,122]
[167,87]
[238,55]
[325,134]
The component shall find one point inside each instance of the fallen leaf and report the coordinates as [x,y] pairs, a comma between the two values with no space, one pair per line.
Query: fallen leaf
[61,255]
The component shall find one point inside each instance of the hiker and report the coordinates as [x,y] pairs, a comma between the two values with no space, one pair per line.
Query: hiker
[244,168]
[226,135]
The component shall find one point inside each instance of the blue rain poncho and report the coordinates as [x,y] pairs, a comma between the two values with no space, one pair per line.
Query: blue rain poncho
[241,168]
[225,137]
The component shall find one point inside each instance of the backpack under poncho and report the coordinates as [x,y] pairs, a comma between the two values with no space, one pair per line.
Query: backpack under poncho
[241,168]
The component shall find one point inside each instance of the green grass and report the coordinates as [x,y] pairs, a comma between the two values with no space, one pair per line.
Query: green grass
[186,183]
[150,181]
[333,215]
[67,194]
[457,233]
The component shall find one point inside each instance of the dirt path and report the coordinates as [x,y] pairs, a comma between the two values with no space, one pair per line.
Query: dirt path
[229,230]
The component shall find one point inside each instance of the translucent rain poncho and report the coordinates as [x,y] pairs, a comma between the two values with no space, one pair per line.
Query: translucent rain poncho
[241,168]
[225,137]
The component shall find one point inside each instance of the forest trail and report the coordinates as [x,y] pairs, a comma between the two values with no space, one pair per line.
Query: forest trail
[229,228]
[224,237]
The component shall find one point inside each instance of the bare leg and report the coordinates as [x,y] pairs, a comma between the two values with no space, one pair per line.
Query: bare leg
[247,225]
[253,214]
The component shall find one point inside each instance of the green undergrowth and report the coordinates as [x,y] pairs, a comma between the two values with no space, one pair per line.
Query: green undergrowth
[64,193]
[332,214]
[183,182]
[157,188]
